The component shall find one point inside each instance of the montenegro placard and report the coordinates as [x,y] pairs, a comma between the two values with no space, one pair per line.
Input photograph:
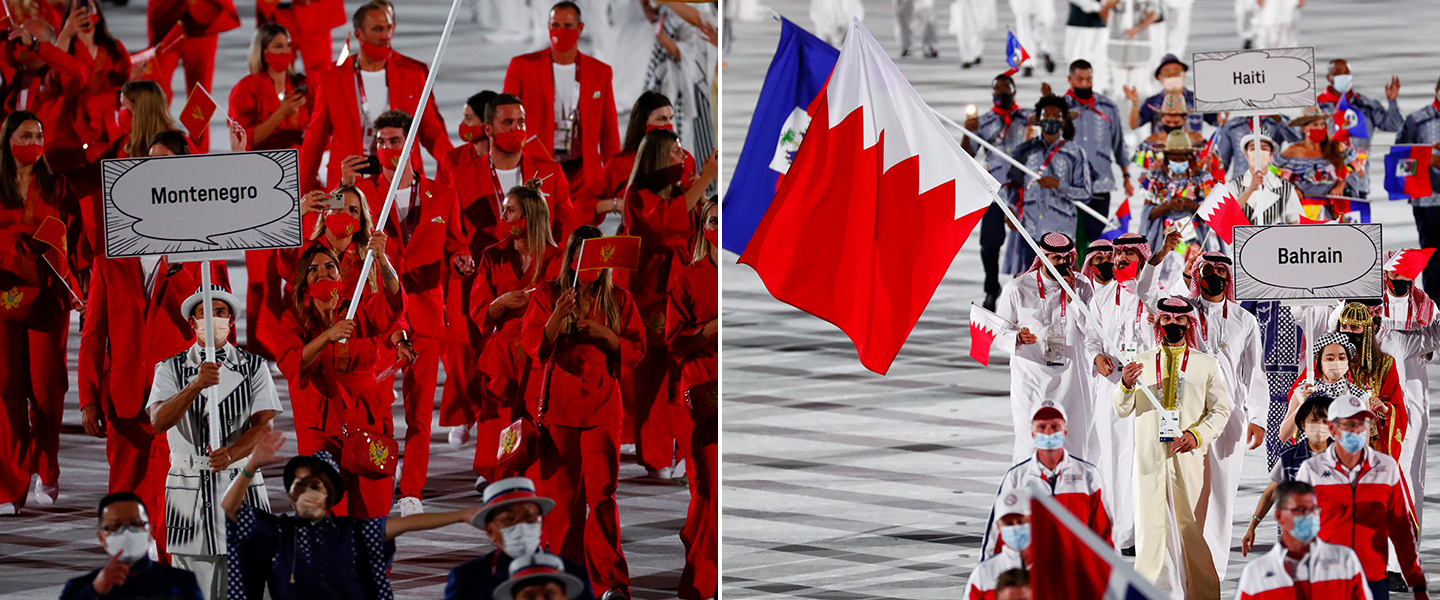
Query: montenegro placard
[1321,262]
[201,203]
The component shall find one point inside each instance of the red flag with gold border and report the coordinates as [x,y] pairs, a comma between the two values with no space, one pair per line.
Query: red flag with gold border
[613,252]
[199,107]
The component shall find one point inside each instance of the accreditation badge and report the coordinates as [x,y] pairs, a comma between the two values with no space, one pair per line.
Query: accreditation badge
[1055,350]
[1169,425]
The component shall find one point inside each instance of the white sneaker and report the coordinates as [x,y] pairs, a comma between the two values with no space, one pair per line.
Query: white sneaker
[45,495]
[663,473]
[410,506]
[627,448]
[459,434]
[9,508]
[678,471]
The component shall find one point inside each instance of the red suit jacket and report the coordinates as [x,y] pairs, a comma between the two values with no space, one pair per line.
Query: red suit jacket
[253,100]
[694,301]
[585,380]
[335,116]
[531,77]
[125,333]
[315,16]
[422,260]
[52,94]
[199,17]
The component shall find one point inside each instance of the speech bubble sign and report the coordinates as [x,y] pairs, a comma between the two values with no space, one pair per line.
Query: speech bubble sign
[1308,261]
[201,203]
[1254,80]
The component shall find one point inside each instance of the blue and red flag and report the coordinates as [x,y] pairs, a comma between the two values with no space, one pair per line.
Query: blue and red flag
[1122,216]
[1407,172]
[1015,54]
[1349,123]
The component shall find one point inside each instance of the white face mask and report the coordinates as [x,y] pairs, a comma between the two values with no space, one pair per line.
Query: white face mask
[520,539]
[1258,160]
[222,331]
[1343,83]
[129,543]
[311,504]
[1317,431]
[1335,369]
[1173,84]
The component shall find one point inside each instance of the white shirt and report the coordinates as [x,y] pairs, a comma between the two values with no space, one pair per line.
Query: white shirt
[148,268]
[567,98]
[377,93]
[402,204]
[509,178]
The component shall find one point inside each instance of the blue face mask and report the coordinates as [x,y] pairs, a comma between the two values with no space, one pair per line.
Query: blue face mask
[1179,167]
[1016,536]
[1306,527]
[1050,441]
[1353,442]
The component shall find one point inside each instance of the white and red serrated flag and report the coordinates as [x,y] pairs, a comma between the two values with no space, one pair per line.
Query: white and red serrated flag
[985,327]
[1077,564]
[1410,262]
[876,204]
[1222,212]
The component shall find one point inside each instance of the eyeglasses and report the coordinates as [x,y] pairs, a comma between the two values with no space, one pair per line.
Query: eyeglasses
[126,528]
[1303,511]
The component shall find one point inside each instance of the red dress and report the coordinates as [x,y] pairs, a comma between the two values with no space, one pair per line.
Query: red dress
[339,389]
[505,373]
[582,418]
[694,302]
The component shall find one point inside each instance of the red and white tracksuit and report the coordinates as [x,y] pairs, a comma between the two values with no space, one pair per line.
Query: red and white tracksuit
[1327,571]
[981,585]
[1075,484]
[1364,506]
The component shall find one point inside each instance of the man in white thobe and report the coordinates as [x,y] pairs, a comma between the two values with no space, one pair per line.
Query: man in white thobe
[970,20]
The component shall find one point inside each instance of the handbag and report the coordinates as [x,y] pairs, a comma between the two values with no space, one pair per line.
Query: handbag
[367,450]
[703,400]
[519,445]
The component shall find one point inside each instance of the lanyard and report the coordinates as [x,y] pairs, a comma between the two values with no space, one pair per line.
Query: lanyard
[1040,282]
[1006,116]
[499,190]
[1180,379]
[1090,105]
[1052,154]
[412,214]
[368,142]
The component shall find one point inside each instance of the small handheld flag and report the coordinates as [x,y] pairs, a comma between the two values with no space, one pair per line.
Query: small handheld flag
[1409,263]
[985,327]
[1122,218]
[1222,212]
[1015,54]
[1349,123]
[1407,172]
[613,252]
[199,107]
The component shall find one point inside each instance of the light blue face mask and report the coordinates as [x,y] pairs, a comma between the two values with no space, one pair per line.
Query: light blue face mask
[1050,441]
[1343,83]
[1306,527]
[1016,536]
[1179,167]
[1353,442]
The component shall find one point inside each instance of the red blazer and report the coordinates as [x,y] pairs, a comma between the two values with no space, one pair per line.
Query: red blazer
[585,380]
[21,266]
[200,18]
[125,333]
[315,16]
[81,131]
[502,359]
[335,116]
[422,260]
[341,374]
[694,301]
[531,77]
[474,185]
[253,100]
[54,95]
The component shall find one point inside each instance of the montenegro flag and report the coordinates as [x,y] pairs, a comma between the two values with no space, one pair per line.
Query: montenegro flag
[614,252]
[199,107]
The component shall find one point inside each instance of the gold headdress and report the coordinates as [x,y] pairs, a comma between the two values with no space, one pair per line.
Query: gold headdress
[1370,368]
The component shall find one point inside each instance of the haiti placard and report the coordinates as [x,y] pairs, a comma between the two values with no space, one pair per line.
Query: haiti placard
[1297,262]
[202,203]
[1254,81]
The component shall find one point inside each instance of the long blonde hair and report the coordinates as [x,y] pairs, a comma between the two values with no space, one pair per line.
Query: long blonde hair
[263,36]
[367,223]
[605,294]
[150,115]
[701,251]
[537,224]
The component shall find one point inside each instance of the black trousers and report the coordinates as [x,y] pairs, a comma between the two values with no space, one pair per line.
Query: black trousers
[992,240]
[1093,228]
[1427,221]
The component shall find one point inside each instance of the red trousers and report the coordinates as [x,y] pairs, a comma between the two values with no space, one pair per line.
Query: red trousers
[418,389]
[262,299]
[701,533]
[462,382]
[579,469]
[661,425]
[364,498]
[33,382]
[488,426]
[139,460]
[198,56]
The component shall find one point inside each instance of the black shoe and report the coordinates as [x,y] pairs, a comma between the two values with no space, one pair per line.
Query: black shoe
[1397,582]
[966,65]
[977,62]
[931,52]
[1127,551]
[905,53]
[1249,44]
[1049,63]
[989,302]
[1028,72]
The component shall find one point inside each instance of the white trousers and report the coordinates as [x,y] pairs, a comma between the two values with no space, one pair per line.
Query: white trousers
[209,573]
[1116,460]
[1222,481]
[915,14]
[1091,44]
[1034,24]
[1246,13]
[1177,27]
[970,20]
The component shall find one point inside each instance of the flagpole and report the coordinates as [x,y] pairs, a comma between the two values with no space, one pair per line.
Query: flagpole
[63,282]
[998,152]
[405,155]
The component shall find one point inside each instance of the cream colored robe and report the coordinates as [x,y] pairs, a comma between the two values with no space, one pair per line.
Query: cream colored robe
[1164,480]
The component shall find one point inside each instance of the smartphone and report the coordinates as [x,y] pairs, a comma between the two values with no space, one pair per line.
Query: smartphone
[372,166]
[336,201]
[301,90]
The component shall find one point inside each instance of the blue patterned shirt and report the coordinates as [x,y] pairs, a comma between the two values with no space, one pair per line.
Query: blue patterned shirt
[1101,133]
[333,558]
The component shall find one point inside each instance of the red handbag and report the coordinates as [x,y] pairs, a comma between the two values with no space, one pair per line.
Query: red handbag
[704,400]
[368,451]
[519,445]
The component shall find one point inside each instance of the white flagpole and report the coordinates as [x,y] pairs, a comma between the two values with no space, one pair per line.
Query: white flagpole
[405,154]
[212,392]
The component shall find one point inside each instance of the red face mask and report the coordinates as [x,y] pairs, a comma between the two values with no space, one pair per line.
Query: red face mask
[279,61]
[564,40]
[509,141]
[389,157]
[713,236]
[341,224]
[515,229]
[667,127]
[324,290]
[125,118]
[28,154]
[586,276]
[1128,272]
[1315,135]
[379,53]
[471,133]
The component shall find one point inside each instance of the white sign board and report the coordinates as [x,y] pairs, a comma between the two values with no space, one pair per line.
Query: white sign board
[201,204]
[1254,80]
[1321,262]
